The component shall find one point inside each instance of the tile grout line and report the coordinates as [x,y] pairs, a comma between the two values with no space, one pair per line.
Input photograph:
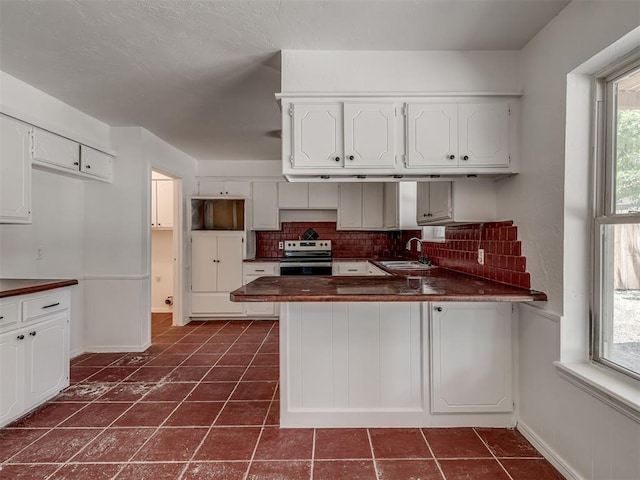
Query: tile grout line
[493,454]
[433,455]
[373,455]
[313,453]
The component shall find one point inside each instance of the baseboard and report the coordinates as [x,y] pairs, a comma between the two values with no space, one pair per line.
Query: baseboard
[77,352]
[161,310]
[118,348]
[548,452]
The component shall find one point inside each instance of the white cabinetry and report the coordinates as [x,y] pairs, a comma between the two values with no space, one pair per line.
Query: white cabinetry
[34,350]
[462,201]
[265,206]
[95,163]
[216,270]
[337,134]
[400,206]
[300,195]
[458,135]
[361,206]
[251,271]
[471,357]
[363,267]
[223,188]
[15,171]
[162,203]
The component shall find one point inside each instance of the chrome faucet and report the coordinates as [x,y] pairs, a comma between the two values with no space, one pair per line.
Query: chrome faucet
[421,258]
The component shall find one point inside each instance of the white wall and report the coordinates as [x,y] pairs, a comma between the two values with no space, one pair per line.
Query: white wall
[547,202]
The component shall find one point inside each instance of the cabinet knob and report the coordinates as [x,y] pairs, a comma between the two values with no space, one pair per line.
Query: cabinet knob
[452,157]
[337,159]
[20,337]
[226,193]
[32,334]
[466,157]
[438,309]
[88,166]
[351,157]
[76,163]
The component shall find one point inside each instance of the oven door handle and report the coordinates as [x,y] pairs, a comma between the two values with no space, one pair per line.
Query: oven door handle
[305,264]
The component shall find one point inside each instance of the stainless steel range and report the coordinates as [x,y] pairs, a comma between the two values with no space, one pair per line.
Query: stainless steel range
[306,257]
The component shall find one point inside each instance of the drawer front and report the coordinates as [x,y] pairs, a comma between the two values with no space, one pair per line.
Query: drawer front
[259,269]
[44,304]
[9,312]
[350,268]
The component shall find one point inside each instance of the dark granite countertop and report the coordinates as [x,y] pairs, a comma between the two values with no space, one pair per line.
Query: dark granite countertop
[10,287]
[437,284]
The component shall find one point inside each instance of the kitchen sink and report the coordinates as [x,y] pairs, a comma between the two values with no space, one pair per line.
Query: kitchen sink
[406,265]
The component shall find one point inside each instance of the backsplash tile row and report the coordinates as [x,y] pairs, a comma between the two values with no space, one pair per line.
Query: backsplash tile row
[503,260]
[346,244]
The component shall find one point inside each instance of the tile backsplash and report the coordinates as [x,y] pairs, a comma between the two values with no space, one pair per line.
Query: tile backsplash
[504,262]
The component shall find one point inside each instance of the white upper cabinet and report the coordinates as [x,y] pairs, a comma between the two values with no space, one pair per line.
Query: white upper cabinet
[334,135]
[293,195]
[361,206]
[15,171]
[224,188]
[458,135]
[323,195]
[369,135]
[95,163]
[300,195]
[434,202]
[162,204]
[55,150]
[265,206]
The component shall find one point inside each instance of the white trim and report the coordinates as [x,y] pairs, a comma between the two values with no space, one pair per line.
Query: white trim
[382,95]
[616,390]
[549,453]
[31,120]
[76,353]
[96,276]
[554,317]
[117,348]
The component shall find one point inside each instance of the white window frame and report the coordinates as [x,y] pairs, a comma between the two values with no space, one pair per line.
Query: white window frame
[605,208]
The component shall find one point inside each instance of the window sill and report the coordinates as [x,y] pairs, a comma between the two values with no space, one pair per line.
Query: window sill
[620,393]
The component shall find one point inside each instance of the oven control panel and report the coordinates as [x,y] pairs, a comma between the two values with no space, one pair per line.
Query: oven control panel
[307,245]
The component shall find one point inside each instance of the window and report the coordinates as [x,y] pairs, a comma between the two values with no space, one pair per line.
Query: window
[616,299]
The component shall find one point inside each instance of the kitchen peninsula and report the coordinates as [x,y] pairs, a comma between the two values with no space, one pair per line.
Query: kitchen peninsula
[427,348]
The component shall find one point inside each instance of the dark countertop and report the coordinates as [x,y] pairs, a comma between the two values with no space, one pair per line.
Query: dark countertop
[10,287]
[437,284]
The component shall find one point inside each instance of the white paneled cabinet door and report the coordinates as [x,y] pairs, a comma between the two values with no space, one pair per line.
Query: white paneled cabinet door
[434,201]
[373,206]
[11,375]
[323,195]
[391,205]
[484,134]
[55,150]
[229,262]
[15,171]
[369,135]
[204,262]
[47,359]
[350,206]
[317,135]
[95,163]
[164,203]
[432,135]
[265,206]
[471,357]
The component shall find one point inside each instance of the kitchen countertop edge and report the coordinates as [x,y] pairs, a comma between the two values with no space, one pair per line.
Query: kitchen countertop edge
[12,287]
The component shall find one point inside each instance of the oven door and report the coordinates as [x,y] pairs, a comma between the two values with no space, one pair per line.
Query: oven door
[305,268]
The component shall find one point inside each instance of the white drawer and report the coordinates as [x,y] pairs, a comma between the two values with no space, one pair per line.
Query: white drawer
[350,268]
[261,269]
[9,311]
[44,304]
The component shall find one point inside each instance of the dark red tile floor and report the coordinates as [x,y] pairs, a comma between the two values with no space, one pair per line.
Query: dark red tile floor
[202,403]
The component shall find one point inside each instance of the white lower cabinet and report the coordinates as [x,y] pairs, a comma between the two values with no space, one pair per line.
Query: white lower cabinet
[34,352]
[251,271]
[471,357]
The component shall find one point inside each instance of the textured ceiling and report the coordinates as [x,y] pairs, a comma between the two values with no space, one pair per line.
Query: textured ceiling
[202,74]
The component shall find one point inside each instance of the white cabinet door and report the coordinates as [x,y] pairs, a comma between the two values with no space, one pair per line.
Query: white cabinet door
[265,206]
[164,203]
[229,262]
[350,268]
[369,135]
[474,338]
[323,195]
[484,134]
[293,195]
[15,171]
[204,262]
[391,213]
[223,188]
[317,135]
[434,202]
[372,206]
[47,359]
[432,135]
[95,163]
[258,308]
[11,374]
[56,150]
[350,206]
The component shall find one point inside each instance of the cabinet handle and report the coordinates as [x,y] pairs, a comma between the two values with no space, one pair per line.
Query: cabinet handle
[452,157]
[351,157]
[52,305]
[352,269]
[337,159]
[76,163]
[32,334]
[259,270]
[438,309]
[88,166]
[226,193]
[466,157]
[20,337]
[1,317]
